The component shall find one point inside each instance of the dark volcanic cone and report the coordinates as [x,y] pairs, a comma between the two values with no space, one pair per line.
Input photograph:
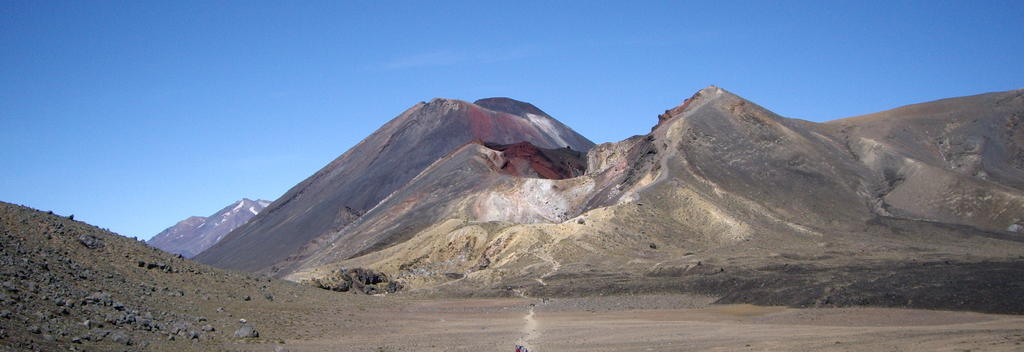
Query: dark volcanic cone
[380,164]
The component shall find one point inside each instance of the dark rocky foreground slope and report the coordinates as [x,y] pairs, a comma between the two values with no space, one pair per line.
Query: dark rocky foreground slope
[197,233]
[67,285]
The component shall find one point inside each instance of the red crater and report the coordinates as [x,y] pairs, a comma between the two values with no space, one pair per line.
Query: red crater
[524,159]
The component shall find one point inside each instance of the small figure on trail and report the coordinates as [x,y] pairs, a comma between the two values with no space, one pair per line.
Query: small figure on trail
[520,348]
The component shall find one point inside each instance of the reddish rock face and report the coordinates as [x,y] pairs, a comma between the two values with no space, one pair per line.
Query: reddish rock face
[498,126]
[675,111]
[527,160]
[481,123]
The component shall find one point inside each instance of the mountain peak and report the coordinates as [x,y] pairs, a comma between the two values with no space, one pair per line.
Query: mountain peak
[253,201]
[712,92]
[707,94]
[509,105]
[437,107]
[197,233]
[496,104]
[440,100]
[711,89]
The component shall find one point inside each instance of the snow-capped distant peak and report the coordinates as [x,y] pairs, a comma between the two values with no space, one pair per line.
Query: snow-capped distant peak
[198,233]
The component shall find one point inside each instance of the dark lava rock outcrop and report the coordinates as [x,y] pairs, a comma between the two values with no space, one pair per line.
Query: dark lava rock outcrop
[357,280]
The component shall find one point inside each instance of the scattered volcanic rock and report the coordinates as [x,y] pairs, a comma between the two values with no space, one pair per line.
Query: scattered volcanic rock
[90,241]
[246,332]
[195,234]
[58,294]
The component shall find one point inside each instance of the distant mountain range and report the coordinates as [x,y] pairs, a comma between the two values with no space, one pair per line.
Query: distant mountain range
[197,233]
[914,206]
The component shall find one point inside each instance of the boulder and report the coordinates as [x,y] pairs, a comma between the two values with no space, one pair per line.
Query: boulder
[120,337]
[246,332]
[100,298]
[90,241]
[394,287]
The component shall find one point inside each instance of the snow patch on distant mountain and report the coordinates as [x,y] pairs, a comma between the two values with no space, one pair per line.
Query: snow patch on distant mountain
[195,234]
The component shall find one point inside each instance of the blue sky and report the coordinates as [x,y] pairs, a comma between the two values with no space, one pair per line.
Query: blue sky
[133,115]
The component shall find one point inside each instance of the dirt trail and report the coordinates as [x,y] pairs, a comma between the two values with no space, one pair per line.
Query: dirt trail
[608,325]
[555,266]
[531,331]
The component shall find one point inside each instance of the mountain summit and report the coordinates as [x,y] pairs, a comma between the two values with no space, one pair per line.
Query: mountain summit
[511,106]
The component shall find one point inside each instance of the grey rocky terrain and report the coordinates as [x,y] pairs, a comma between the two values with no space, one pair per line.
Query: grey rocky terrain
[67,285]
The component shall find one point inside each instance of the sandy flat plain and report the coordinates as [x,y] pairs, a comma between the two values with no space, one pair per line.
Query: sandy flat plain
[654,323]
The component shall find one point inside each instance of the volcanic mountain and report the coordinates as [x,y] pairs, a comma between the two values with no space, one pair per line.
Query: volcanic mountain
[917,206]
[297,224]
[197,233]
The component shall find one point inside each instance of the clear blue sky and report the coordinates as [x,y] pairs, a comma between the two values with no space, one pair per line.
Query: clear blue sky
[133,115]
